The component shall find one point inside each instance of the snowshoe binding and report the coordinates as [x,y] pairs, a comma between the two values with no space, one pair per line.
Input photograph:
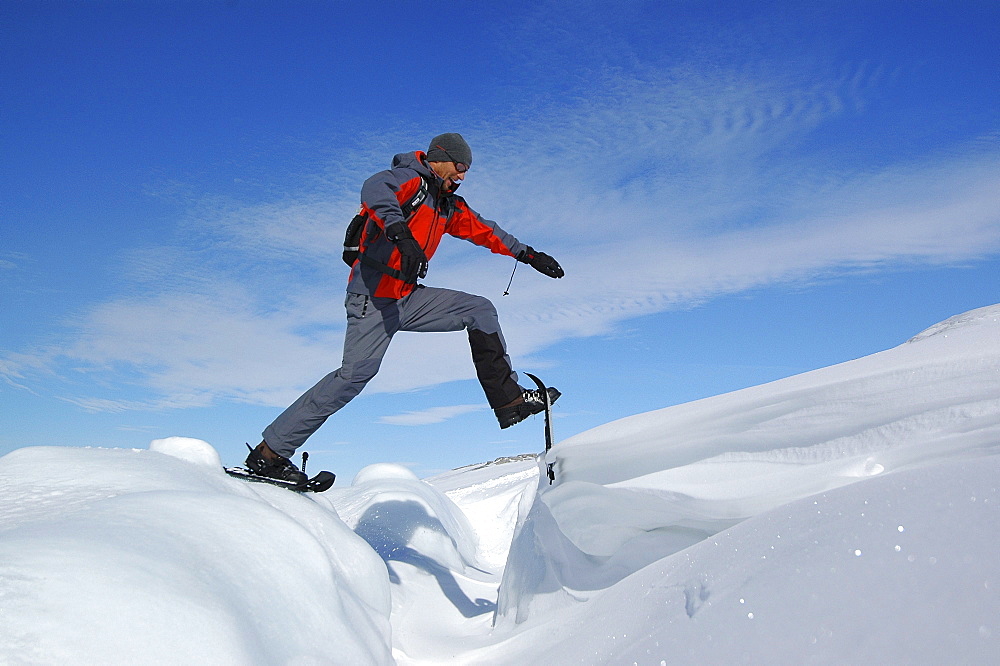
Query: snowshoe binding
[530,402]
[262,461]
[265,466]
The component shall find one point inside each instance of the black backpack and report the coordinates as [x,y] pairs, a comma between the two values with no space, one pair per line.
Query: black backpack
[352,241]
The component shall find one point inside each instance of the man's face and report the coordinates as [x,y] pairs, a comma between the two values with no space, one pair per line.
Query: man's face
[449,173]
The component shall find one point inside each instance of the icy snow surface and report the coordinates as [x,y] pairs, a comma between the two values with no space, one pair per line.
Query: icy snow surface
[846,515]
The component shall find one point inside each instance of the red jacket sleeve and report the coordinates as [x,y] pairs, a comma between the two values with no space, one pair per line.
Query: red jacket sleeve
[467,224]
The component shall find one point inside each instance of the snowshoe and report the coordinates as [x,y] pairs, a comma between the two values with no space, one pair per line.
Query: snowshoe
[317,484]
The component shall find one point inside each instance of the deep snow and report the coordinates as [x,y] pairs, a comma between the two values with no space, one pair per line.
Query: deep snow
[845,515]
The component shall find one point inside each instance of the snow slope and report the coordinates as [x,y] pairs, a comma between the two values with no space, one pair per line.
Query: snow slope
[845,515]
[646,486]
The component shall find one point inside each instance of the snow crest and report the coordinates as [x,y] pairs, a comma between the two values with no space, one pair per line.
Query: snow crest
[981,317]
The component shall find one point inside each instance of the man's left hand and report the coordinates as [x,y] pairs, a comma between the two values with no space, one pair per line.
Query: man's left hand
[541,262]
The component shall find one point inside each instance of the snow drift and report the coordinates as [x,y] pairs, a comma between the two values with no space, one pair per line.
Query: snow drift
[123,557]
[693,470]
[843,515]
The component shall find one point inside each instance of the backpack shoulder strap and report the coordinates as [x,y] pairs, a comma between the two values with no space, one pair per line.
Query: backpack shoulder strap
[416,201]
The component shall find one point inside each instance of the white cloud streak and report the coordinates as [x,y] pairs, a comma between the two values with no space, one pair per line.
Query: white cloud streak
[430,416]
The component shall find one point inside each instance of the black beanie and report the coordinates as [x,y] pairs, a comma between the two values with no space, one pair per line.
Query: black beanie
[449,147]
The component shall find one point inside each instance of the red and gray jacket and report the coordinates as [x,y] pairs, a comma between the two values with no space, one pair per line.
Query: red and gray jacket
[382,197]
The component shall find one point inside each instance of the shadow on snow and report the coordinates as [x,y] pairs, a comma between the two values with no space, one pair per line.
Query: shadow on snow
[390,527]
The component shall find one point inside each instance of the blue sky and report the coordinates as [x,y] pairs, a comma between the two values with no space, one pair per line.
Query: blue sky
[738,192]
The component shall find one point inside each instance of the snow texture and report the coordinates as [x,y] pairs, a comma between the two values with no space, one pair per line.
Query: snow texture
[846,515]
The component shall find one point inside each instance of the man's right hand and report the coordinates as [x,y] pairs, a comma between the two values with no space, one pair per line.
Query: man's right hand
[413,261]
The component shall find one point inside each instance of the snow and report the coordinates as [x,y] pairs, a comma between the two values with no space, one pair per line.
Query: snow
[845,515]
[113,556]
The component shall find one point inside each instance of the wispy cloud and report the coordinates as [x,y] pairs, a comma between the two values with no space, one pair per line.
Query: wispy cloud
[430,416]
[655,190]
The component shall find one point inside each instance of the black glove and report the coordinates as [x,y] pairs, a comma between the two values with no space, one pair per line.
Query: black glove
[413,262]
[541,262]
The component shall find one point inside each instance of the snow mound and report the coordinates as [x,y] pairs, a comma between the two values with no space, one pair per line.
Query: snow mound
[185,448]
[383,472]
[129,556]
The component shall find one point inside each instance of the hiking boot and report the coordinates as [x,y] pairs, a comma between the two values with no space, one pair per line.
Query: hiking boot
[262,461]
[531,401]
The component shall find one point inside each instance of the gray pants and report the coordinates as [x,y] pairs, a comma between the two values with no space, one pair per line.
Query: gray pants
[371,323]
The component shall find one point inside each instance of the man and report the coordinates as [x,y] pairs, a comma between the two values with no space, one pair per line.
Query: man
[405,211]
